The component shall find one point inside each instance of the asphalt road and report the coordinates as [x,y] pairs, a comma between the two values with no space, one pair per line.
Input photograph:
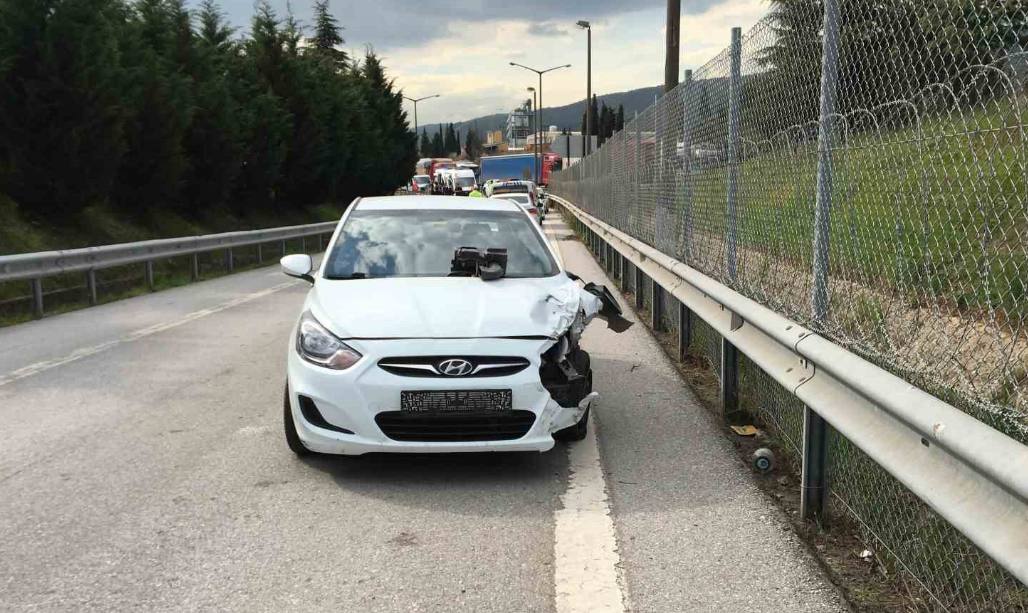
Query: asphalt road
[142,468]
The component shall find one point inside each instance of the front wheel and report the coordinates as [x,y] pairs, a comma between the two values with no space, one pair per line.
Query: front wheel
[292,437]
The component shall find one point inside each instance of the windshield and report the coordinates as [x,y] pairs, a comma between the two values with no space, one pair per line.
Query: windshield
[511,189]
[420,243]
[421,180]
[465,181]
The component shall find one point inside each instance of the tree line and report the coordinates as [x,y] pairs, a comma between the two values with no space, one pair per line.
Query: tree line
[446,142]
[147,105]
[606,121]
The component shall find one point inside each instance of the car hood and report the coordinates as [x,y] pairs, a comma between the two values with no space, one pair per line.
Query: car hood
[449,307]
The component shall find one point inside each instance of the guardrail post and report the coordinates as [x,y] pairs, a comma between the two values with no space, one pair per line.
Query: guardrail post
[657,306]
[91,286]
[149,275]
[194,267]
[260,253]
[321,243]
[37,296]
[814,492]
[624,276]
[684,330]
[303,244]
[729,377]
[734,100]
[229,264]
[283,249]
[639,298]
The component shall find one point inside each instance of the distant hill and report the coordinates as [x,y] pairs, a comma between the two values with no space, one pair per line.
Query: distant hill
[568,116]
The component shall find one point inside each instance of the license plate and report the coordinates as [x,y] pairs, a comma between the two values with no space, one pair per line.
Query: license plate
[456,401]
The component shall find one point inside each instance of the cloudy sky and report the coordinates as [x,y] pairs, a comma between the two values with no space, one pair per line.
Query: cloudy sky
[462,48]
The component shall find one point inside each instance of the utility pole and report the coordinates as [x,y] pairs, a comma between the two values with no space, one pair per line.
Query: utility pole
[674,17]
[588,85]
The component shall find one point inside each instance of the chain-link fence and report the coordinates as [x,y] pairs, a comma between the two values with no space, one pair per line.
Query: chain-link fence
[864,174]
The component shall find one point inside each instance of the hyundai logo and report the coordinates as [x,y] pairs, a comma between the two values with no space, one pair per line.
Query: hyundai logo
[454,367]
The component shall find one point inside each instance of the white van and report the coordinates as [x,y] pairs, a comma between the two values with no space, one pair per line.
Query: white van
[462,180]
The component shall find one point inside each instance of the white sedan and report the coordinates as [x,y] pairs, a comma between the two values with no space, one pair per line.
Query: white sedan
[524,201]
[442,328]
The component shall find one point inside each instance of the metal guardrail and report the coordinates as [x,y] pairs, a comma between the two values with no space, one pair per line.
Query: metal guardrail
[35,266]
[973,476]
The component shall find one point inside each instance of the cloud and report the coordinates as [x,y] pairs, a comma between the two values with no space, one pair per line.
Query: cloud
[546,29]
[391,24]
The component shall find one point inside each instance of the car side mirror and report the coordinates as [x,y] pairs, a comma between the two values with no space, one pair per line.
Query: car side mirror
[298,265]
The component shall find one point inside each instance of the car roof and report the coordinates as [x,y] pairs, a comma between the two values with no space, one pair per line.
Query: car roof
[420,176]
[451,203]
[512,183]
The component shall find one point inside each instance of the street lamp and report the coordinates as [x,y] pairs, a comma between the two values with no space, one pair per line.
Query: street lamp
[588,85]
[535,150]
[416,109]
[539,107]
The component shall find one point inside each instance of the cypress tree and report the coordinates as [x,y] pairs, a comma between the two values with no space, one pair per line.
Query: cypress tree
[426,144]
[61,112]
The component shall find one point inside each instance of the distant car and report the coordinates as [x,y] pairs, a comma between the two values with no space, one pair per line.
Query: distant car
[525,202]
[420,184]
[513,187]
[438,325]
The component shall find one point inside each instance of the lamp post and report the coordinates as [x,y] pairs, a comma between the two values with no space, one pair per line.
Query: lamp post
[588,84]
[535,149]
[539,106]
[416,109]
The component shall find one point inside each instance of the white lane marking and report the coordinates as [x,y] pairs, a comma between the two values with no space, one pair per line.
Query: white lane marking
[585,547]
[78,354]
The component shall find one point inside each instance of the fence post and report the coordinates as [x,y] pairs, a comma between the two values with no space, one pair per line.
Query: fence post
[149,275]
[729,353]
[734,100]
[814,492]
[37,296]
[229,264]
[91,286]
[687,167]
[637,179]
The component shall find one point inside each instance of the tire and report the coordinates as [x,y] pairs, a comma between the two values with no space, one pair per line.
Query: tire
[292,438]
[578,431]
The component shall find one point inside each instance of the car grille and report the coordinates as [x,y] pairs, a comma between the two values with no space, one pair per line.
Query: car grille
[425,365]
[455,427]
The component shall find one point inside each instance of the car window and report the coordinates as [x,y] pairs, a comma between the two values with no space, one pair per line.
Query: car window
[465,181]
[420,243]
[519,198]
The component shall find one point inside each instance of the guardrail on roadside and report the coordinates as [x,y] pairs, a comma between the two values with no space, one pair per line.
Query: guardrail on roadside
[35,266]
[970,474]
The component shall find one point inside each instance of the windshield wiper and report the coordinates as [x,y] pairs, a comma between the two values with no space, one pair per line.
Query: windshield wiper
[356,275]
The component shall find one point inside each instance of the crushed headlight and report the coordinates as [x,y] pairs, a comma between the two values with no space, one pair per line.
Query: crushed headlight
[319,346]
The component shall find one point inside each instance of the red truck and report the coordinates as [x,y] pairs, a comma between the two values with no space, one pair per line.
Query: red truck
[551,163]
